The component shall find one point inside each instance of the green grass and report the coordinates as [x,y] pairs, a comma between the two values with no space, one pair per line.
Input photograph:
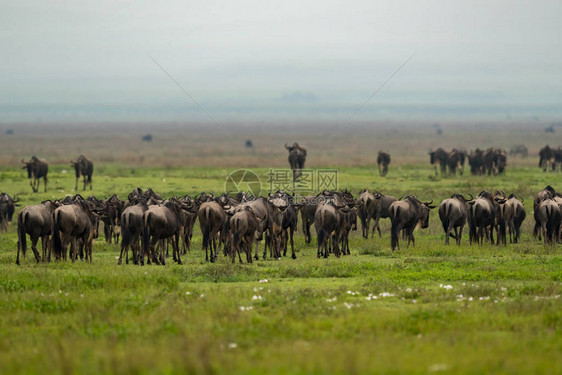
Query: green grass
[468,309]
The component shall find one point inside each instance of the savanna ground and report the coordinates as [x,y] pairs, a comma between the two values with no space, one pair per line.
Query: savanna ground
[428,308]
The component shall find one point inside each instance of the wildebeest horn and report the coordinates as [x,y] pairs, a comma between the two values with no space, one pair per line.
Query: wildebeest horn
[428,203]
[521,199]
[400,198]
[471,197]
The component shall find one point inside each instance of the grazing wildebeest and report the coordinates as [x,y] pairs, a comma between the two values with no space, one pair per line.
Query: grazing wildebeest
[36,169]
[73,223]
[546,193]
[453,213]
[482,213]
[243,225]
[7,208]
[367,207]
[408,214]
[519,215]
[382,210]
[83,167]
[548,218]
[546,158]
[37,221]
[162,222]
[439,157]
[297,157]
[383,160]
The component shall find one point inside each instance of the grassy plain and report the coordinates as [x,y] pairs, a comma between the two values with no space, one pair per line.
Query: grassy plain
[425,309]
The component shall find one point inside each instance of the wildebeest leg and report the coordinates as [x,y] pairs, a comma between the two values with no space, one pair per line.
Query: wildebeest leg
[377,227]
[175,244]
[44,246]
[291,230]
[44,180]
[34,248]
[123,248]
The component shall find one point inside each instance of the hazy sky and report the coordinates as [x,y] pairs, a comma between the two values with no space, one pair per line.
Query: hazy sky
[279,60]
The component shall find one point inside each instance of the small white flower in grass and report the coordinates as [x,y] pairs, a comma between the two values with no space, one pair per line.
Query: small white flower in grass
[163,180]
[202,296]
[116,257]
[187,293]
[386,294]
[370,297]
[420,335]
[414,301]
[348,305]
[448,287]
[60,291]
[232,345]
[331,299]
[256,298]
[246,308]
[503,289]
[470,298]
[438,367]
[264,281]
[408,290]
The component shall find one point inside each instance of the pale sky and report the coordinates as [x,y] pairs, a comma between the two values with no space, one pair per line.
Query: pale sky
[279,60]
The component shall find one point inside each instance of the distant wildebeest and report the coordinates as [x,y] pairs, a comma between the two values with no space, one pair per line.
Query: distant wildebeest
[297,157]
[160,223]
[476,162]
[439,157]
[83,167]
[407,215]
[519,215]
[36,169]
[243,225]
[37,221]
[73,223]
[456,160]
[546,193]
[7,208]
[249,143]
[520,150]
[383,160]
[147,138]
[482,214]
[546,158]
[382,210]
[453,213]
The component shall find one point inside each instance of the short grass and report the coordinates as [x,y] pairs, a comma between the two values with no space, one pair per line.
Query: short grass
[428,308]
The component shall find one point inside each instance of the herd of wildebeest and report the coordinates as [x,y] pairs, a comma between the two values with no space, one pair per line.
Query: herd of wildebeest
[148,225]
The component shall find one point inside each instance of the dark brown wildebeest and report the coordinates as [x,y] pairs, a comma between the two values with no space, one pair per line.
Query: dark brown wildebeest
[546,193]
[382,210]
[161,222]
[212,218]
[439,157]
[36,169]
[83,167]
[519,215]
[308,209]
[349,224]
[546,158]
[189,219]
[476,162]
[111,218]
[7,208]
[289,222]
[366,211]
[453,213]
[482,213]
[243,226]
[456,161]
[297,157]
[131,229]
[548,218]
[383,160]
[408,214]
[328,221]
[73,223]
[504,218]
[37,221]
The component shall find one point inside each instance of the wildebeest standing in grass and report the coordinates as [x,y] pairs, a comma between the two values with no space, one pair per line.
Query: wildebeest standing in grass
[36,169]
[308,209]
[383,160]
[546,193]
[548,216]
[519,215]
[37,222]
[243,227]
[289,220]
[212,218]
[382,210]
[189,218]
[546,158]
[131,229]
[85,168]
[73,223]
[453,213]
[349,223]
[328,221]
[504,218]
[161,222]
[7,208]
[366,211]
[297,157]
[408,214]
[439,157]
[456,162]
[482,213]
[111,219]
[476,162]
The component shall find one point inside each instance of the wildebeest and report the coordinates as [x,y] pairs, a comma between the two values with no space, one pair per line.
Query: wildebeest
[111,218]
[366,211]
[548,218]
[73,223]
[453,213]
[439,157]
[546,193]
[476,162]
[519,215]
[37,221]
[383,160]
[36,169]
[243,225]
[482,214]
[190,216]
[83,167]
[7,208]
[504,218]
[160,223]
[289,221]
[546,158]
[349,224]
[308,209]
[328,221]
[297,157]
[382,210]
[456,161]
[408,214]
[131,229]
[212,218]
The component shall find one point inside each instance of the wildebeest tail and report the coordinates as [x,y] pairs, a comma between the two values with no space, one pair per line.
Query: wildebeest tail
[125,234]
[21,232]
[146,234]
[57,243]
[445,220]
[207,229]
